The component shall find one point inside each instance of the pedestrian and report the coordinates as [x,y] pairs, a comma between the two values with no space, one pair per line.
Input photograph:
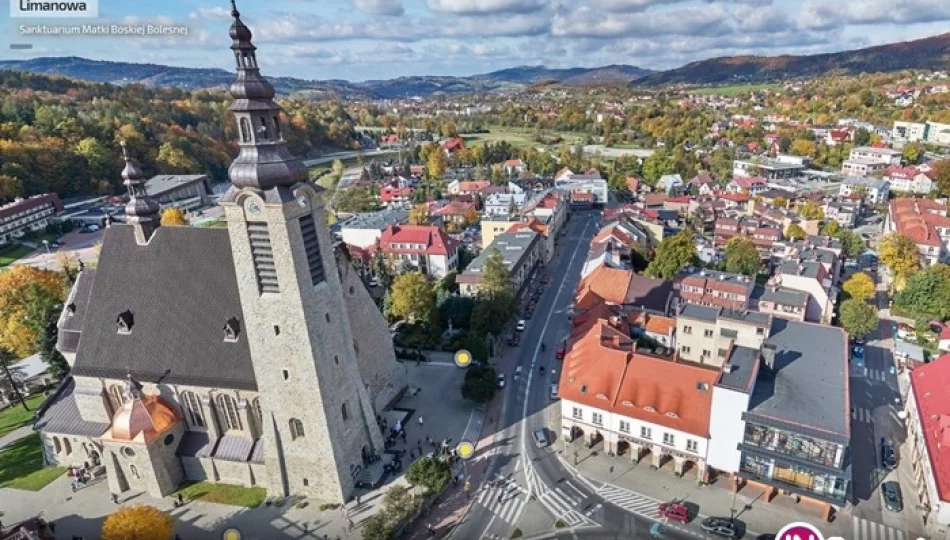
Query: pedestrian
[403,435]
[181,500]
[306,528]
[455,480]
[428,440]
[115,498]
[420,421]
[350,523]
[357,499]
[412,455]
[430,529]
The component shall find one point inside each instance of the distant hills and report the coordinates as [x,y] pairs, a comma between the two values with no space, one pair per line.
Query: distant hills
[928,53]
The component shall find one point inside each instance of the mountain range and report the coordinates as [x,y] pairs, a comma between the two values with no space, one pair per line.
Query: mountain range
[928,53]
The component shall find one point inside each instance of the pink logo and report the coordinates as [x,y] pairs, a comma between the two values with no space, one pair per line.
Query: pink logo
[799,531]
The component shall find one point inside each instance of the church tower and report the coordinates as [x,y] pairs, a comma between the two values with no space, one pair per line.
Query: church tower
[318,420]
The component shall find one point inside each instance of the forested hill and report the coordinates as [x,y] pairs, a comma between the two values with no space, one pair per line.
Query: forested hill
[62,135]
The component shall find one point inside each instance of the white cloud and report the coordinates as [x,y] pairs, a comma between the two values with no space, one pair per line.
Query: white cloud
[476,7]
[216,13]
[380,7]
[590,23]
[822,15]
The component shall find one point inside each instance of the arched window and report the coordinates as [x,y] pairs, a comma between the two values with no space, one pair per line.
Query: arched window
[67,446]
[257,409]
[228,410]
[237,58]
[192,407]
[345,415]
[263,129]
[245,130]
[117,396]
[277,127]
[296,428]
[134,471]
[56,445]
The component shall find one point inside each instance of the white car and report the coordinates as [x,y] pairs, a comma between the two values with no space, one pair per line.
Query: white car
[520,326]
[553,391]
[501,380]
[373,282]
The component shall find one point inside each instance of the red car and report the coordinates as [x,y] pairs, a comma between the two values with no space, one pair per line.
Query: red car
[675,511]
[559,353]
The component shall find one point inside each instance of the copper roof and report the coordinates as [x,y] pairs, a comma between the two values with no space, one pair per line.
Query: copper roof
[143,420]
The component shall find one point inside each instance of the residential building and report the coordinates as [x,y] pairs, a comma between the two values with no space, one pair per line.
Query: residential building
[713,288]
[453,145]
[928,132]
[625,289]
[706,334]
[363,230]
[887,156]
[466,187]
[395,194]
[925,221]
[780,301]
[658,328]
[502,204]
[928,434]
[671,184]
[493,225]
[23,216]
[780,415]
[908,180]
[761,232]
[577,183]
[813,278]
[549,208]
[521,252]
[846,214]
[514,167]
[862,167]
[704,184]
[749,185]
[427,248]
[456,212]
[770,169]
[874,190]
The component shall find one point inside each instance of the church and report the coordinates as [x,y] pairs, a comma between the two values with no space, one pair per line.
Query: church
[250,355]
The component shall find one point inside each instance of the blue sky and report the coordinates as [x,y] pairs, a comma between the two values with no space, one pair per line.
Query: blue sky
[368,39]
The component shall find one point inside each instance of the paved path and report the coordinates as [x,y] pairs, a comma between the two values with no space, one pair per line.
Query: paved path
[15,435]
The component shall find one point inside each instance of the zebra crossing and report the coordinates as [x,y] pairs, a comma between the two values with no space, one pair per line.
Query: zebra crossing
[630,501]
[863,529]
[862,414]
[877,374]
[561,502]
[505,499]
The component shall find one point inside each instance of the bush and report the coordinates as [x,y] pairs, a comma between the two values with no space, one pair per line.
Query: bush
[516,533]
[559,524]
[377,527]
[481,382]
[429,473]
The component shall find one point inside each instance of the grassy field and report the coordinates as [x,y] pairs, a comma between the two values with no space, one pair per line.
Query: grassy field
[224,494]
[16,416]
[21,465]
[520,137]
[734,89]
[12,254]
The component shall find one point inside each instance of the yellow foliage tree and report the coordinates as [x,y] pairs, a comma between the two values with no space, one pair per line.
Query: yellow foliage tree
[139,522]
[860,286]
[794,232]
[419,215]
[436,164]
[174,216]
[899,253]
[21,288]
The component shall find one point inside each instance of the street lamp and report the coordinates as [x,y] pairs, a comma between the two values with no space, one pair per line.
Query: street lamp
[465,450]
[48,254]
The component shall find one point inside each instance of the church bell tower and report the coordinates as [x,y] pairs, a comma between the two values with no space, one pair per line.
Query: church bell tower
[318,420]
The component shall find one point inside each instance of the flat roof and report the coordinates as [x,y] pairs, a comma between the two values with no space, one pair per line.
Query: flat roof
[702,313]
[513,247]
[809,390]
[157,186]
[740,369]
[781,295]
[377,220]
[745,316]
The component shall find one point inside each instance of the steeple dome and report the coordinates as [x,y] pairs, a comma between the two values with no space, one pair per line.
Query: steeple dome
[264,161]
[141,211]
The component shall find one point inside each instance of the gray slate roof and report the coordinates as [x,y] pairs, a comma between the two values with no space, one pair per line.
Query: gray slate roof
[157,186]
[809,393]
[808,269]
[743,365]
[703,313]
[71,324]
[181,289]
[59,414]
[781,295]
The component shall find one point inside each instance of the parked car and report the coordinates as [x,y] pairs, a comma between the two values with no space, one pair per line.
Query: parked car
[888,455]
[857,351]
[559,353]
[675,511]
[501,380]
[553,391]
[540,438]
[720,526]
[521,325]
[373,282]
[893,499]
[528,314]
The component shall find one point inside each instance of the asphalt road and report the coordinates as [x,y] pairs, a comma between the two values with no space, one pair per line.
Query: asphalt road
[531,479]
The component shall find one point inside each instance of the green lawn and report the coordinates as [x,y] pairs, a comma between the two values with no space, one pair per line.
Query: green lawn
[734,89]
[16,416]
[519,137]
[21,465]
[224,494]
[13,253]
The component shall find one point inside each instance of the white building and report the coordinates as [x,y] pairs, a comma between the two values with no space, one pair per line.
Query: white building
[875,191]
[500,204]
[929,132]
[365,229]
[887,156]
[862,167]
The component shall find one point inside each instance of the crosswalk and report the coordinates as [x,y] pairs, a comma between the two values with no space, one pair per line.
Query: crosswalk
[504,499]
[877,375]
[630,501]
[863,529]
[562,501]
[862,414]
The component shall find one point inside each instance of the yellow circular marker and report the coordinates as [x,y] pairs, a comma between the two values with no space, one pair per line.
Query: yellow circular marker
[231,534]
[463,358]
[465,450]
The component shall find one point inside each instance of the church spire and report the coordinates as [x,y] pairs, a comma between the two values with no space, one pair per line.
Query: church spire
[141,211]
[264,161]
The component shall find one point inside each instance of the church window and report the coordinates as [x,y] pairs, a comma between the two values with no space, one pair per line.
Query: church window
[276,330]
[263,129]
[134,471]
[306,482]
[277,127]
[245,130]
[228,410]
[128,452]
[257,409]
[311,244]
[296,428]
[262,255]
[346,416]
[192,407]
[117,396]
[56,445]
[328,317]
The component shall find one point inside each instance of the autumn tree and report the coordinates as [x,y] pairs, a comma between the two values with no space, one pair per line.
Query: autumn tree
[780,202]
[860,286]
[810,210]
[413,297]
[448,129]
[672,255]
[138,522]
[794,231]
[742,257]
[852,244]
[495,302]
[927,292]
[802,147]
[26,295]
[899,253]
[912,152]
[858,317]
[941,172]
[174,216]
[419,215]
[831,228]
[436,163]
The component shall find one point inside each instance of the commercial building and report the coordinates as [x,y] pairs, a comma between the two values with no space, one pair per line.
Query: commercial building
[887,156]
[23,216]
[862,167]
[579,184]
[873,190]
[928,132]
[186,191]
[770,169]
[908,180]
[521,252]
[706,334]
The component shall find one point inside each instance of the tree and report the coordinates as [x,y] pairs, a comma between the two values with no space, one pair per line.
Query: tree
[794,232]
[831,228]
[780,202]
[27,295]
[672,255]
[448,129]
[419,215]
[436,164]
[174,216]
[139,522]
[862,137]
[480,383]
[413,297]
[802,147]
[860,286]
[858,317]
[899,253]
[381,268]
[742,257]
[495,304]
[810,210]
[912,152]
[941,172]
[927,292]
[852,245]
[172,159]
[432,474]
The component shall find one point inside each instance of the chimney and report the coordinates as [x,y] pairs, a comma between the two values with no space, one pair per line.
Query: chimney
[768,356]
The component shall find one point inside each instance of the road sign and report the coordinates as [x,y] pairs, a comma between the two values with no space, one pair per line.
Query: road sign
[465,450]
[463,358]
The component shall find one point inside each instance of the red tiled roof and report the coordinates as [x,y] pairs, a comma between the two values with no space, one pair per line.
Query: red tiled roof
[473,185]
[454,208]
[611,284]
[388,193]
[748,182]
[633,183]
[453,144]
[31,203]
[929,383]
[901,172]
[434,240]
[916,219]
[513,163]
